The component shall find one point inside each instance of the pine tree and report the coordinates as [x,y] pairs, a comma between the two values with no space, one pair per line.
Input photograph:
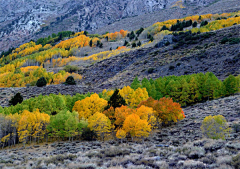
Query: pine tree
[116,100]
[16,99]
[41,82]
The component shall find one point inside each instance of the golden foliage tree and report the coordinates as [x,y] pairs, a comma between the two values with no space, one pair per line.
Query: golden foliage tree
[100,124]
[90,105]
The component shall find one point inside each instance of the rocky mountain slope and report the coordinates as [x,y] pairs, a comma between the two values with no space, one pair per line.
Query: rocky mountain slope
[24,20]
[205,55]
[176,146]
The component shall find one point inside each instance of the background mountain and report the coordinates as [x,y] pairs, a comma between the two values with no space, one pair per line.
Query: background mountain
[21,21]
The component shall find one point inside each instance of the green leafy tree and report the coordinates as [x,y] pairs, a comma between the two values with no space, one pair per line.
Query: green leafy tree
[135,84]
[231,85]
[215,127]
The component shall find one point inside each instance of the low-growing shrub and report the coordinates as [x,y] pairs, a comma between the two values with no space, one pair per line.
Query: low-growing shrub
[150,70]
[71,69]
[236,161]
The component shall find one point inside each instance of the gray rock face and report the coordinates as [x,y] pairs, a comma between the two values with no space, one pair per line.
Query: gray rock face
[23,20]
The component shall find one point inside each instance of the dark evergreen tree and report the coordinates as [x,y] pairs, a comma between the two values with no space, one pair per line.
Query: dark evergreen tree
[125,43]
[70,81]
[194,24]
[90,43]
[151,39]
[164,28]
[134,45]
[139,43]
[132,35]
[41,82]
[116,100]
[16,99]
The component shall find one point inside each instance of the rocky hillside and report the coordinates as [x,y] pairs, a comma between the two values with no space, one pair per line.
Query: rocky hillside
[206,54]
[177,146]
[24,20]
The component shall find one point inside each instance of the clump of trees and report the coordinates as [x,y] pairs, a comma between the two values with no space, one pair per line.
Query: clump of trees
[129,112]
[189,89]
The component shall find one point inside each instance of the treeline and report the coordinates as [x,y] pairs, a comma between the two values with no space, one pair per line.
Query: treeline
[54,38]
[129,112]
[189,89]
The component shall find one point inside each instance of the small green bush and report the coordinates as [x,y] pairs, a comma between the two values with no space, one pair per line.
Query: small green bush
[215,127]
[236,161]
[16,99]
[70,81]
[150,70]
[71,69]
[41,82]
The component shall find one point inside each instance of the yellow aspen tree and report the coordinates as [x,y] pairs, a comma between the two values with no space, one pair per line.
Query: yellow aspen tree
[147,113]
[130,123]
[142,129]
[88,106]
[100,124]
[121,134]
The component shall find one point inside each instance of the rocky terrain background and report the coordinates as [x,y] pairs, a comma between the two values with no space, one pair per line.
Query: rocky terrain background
[179,145]
[21,21]
[207,55]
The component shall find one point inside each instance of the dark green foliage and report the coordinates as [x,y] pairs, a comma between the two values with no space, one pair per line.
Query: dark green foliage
[85,33]
[138,32]
[71,69]
[116,100]
[231,85]
[203,23]
[134,45]
[7,52]
[88,135]
[131,36]
[150,70]
[139,43]
[125,43]
[41,82]
[55,38]
[194,24]
[188,89]
[99,44]
[236,161]
[17,98]
[151,39]
[164,28]
[135,84]
[236,127]
[70,81]
[90,43]
[230,40]
[167,43]
[171,67]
